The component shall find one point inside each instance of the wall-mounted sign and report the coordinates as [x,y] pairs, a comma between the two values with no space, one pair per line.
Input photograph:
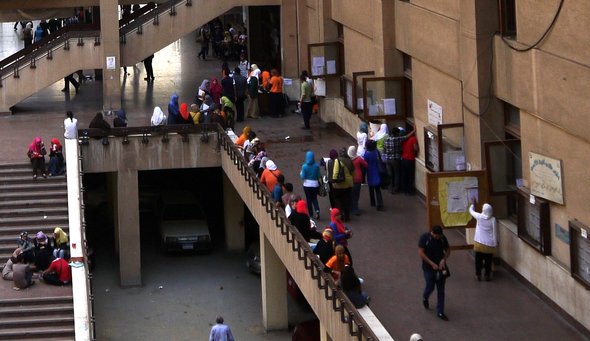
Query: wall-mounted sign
[111,63]
[546,177]
[435,113]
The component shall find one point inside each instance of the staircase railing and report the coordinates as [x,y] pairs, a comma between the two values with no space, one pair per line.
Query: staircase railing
[136,24]
[45,47]
[334,296]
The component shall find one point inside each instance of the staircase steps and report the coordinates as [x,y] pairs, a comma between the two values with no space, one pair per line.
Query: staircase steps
[33,195]
[42,318]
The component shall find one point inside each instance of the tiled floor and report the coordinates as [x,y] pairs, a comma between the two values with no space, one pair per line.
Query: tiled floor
[385,243]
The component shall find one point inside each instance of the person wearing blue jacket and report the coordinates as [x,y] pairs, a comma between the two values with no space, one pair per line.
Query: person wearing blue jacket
[38,34]
[310,175]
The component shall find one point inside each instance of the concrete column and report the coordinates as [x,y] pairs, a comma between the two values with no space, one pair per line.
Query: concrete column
[233,208]
[479,22]
[127,210]
[289,49]
[274,287]
[109,41]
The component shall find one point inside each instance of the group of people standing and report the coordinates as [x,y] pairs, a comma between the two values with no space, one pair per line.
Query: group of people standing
[48,256]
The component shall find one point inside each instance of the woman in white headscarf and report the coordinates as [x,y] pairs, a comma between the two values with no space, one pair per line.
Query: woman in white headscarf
[158,117]
[485,240]
[380,137]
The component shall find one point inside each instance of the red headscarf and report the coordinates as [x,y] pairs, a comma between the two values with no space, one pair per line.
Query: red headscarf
[339,225]
[215,89]
[302,207]
[184,111]
[55,141]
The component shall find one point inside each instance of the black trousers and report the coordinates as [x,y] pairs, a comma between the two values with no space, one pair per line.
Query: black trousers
[483,260]
[306,113]
[70,79]
[408,174]
[276,103]
[240,108]
[149,70]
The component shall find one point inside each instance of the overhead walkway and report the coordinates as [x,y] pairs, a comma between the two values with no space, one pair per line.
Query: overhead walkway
[78,47]
[282,247]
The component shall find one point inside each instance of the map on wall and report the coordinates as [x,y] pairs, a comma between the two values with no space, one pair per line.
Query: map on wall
[546,177]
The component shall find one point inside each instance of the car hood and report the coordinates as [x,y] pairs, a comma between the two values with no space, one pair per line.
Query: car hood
[184,228]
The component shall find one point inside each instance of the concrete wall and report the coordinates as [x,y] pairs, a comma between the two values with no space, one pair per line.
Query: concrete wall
[154,155]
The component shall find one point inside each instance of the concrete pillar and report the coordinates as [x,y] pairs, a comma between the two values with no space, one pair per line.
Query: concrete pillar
[127,220]
[479,22]
[289,46]
[274,287]
[109,41]
[233,208]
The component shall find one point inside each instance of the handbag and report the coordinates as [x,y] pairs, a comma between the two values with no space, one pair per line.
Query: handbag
[323,189]
[444,273]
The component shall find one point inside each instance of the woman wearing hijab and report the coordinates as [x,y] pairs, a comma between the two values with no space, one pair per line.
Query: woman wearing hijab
[202,92]
[342,176]
[99,122]
[120,118]
[269,176]
[158,118]
[215,90]
[373,176]
[336,264]
[310,174]
[351,285]
[485,240]
[243,137]
[185,117]
[252,111]
[361,138]
[28,34]
[325,247]
[38,33]
[207,107]
[300,219]
[340,232]
[37,153]
[360,166]
[229,110]
[381,136]
[56,158]
[173,110]
[60,242]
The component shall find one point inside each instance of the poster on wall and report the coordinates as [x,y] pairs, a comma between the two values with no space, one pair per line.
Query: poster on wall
[546,177]
[435,113]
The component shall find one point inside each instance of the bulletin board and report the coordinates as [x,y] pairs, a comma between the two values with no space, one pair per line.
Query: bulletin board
[447,199]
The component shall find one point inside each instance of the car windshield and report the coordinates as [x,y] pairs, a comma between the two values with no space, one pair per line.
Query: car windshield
[182,212]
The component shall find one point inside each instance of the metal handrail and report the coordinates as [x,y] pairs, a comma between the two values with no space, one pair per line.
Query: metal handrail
[152,13]
[49,43]
[358,327]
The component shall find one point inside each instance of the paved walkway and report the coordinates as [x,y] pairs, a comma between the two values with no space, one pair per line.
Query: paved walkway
[385,243]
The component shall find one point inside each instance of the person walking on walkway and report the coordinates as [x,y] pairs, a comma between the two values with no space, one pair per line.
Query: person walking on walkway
[485,240]
[220,331]
[310,174]
[241,87]
[305,99]
[434,251]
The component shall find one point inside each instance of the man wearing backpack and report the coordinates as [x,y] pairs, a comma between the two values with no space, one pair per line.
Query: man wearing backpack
[434,251]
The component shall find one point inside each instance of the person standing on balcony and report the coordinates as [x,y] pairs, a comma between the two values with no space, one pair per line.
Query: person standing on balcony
[241,86]
[28,34]
[173,110]
[70,126]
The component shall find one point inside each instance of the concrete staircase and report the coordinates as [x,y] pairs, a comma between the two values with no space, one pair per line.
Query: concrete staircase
[41,312]
[29,205]
[43,318]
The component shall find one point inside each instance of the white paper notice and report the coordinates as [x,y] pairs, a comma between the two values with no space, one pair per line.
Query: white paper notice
[205,107]
[472,195]
[389,106]
[201,93]
[287,81]
[373,110]
[318,61]
[331,64]
[360,105]
[317,70]
[458,194]
[435,113]
[320,87]
[111,63]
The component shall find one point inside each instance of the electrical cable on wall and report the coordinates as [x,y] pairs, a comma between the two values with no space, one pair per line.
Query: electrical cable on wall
[538,42]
